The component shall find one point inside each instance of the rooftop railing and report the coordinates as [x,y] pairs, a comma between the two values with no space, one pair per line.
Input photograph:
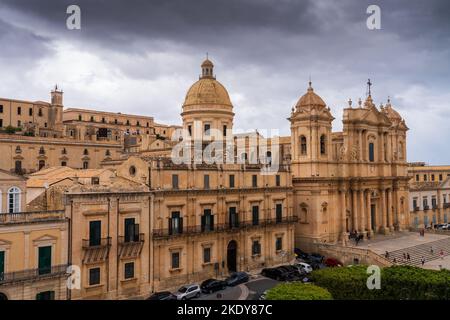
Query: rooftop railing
[31,216]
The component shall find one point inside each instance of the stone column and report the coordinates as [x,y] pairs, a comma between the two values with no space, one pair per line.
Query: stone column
[342,192]
[381,159]
[363,213]
[368,212]
[360,156]
[390,211]
[355,210]
[383,211]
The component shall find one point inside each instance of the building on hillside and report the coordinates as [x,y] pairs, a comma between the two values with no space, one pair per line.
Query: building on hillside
[33,246]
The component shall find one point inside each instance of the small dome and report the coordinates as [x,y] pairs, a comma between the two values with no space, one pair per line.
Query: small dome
[392,114]
[207,63]
[207,91]
[310,98]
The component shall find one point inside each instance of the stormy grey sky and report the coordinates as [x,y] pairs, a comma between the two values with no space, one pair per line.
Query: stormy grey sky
[141,57]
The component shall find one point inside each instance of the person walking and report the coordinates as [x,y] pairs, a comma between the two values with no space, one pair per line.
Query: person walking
[386,255]
[422,260]
[408,258]
[404,256]
[441,254]
[431,250]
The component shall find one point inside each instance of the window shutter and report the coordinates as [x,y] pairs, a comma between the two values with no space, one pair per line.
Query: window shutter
[170,226]
[136,232]
[203,223]
[212,222]
[181,225]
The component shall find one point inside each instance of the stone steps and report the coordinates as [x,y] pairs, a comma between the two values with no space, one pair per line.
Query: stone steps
[423,250]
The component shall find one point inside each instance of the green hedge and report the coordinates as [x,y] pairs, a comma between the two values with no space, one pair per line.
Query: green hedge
[397,283]
[298,291]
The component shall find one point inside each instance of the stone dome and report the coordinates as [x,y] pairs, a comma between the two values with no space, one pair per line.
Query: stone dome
[310,98]
[392,114]
[207,90]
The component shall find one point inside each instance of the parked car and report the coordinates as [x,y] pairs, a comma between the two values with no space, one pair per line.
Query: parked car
[292,273]
[188,292]
[318,265]
[315,257]
[163,295]
[331,262]
[439,226]
[212,285]
[306,268]
[275,274]
[301,254]
[237,278]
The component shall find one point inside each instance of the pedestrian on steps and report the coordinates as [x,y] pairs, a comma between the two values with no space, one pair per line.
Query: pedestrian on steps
[408,258]
[431,250]
[422,260]
[441,254]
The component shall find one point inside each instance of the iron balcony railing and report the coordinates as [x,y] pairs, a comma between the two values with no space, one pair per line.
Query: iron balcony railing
[133,239]
[31,216]
[446,205]
[199,229]
[416,208]
[33,274]
[96,243]
[426,207]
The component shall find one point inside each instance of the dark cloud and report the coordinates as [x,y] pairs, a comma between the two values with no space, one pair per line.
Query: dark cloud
[142,56]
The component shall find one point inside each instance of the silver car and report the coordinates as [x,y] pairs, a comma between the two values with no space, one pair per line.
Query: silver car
[188,292]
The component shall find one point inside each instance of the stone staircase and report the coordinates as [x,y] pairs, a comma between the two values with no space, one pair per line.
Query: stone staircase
[423,250]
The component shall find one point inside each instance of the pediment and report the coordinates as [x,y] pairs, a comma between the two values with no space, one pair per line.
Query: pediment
[376,117]
[45,237]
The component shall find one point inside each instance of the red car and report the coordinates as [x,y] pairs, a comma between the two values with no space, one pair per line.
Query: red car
[331,262]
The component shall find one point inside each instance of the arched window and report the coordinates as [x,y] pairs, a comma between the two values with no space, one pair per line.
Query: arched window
[41,151]
[85,152]
[323,144]
[304,215]
[64,151]
[14,200]
[41,164]
[371,152]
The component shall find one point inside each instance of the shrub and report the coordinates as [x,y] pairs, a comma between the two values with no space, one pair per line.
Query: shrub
[298,291]
[397,283]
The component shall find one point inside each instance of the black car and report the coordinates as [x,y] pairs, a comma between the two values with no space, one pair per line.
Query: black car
[317,265]
[274,273]
[315,258]
[212,285]
[237,278]
[301,254]
[163,295]
[291,273]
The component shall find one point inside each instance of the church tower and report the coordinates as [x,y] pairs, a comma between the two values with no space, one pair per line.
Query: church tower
[311,136]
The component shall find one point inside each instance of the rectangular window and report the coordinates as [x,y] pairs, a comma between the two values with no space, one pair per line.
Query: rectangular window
[30,112]
[255,215]
[231,177]
[425,177]
[94,276]
[233,217]
[206,129]
[417,177]
[175,223]
[279,212]
[256,248]
[129,270]
[1,108]
[277,180]
[206,181]
[19,123]
[46,295]
[440,177]
[2,264]
[224,130]
[1,123]
[175,181]
[19,111]
[175,260]
[279,244]
[414,203]
[425,203]
[254,181]
[432,177]
[95,233]
[206,255]
[190,130]
[130,230]
[433,203]
[95,180]
[207,223]
[371,152]
[45,260]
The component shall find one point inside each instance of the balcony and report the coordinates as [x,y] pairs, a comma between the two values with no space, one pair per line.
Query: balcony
[446,205]
[434,206]
[225,227]
[33,274]
[131,248]
[416,209]
[32,217]
[426,207]
[96,251]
